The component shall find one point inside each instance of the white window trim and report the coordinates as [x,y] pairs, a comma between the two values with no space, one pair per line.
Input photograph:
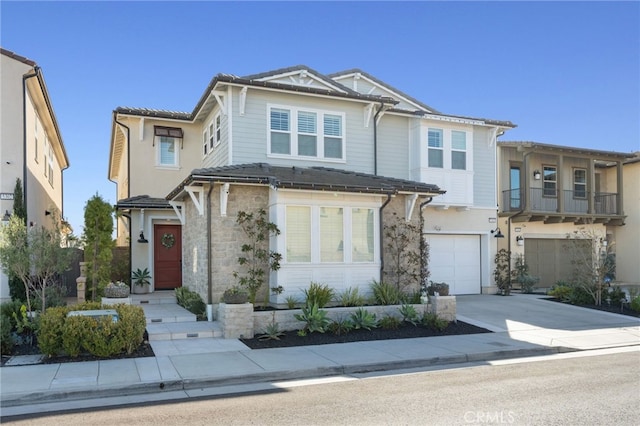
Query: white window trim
[176,164]
[217,128]
[447,149]
[205,140]
[293,132]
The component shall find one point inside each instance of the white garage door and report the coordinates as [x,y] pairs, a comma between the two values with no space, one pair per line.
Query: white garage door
[455,260]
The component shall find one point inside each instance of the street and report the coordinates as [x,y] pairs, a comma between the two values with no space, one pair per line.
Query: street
[576,390]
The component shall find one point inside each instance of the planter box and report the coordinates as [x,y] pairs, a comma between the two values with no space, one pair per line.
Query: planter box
[236,320]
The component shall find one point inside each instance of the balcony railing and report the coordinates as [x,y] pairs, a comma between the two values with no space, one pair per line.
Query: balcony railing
[546,201]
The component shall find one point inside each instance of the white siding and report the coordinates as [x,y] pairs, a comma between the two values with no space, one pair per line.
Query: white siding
[484,167]
[393,147]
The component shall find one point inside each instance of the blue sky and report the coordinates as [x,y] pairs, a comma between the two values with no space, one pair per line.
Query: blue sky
[565,73]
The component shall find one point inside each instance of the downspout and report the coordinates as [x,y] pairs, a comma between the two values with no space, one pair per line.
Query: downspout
[381,225]
[423,250]
[209,278]
[375,141]
[24,138]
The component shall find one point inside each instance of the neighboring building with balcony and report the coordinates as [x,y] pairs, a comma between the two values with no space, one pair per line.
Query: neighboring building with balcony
[547,192]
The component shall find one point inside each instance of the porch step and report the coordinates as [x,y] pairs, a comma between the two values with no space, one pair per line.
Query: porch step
[156,298]
[183,330]
[161,313]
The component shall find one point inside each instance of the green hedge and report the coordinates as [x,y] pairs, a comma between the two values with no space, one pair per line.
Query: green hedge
[59,334]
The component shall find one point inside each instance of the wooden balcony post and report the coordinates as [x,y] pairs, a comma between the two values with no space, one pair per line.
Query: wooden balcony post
[619,203]
[560,184]
[592,187]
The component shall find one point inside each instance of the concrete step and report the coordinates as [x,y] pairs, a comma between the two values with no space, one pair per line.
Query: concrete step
[183,330]
[167,313]
[164,297]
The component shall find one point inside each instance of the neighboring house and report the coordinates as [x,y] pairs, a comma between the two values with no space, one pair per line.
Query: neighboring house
[627,238]
[548,192]
[31,146]
[330,157]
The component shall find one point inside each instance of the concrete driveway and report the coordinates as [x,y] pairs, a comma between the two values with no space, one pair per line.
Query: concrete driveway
[532,319]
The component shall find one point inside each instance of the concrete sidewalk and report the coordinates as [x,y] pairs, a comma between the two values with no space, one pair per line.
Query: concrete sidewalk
[523,326]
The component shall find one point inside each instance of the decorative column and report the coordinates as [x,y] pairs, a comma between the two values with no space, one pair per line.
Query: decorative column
[81,282]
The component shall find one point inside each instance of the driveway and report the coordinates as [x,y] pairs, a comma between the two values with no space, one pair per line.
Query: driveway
[530,318]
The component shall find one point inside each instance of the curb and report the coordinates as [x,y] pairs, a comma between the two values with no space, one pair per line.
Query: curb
[31,398]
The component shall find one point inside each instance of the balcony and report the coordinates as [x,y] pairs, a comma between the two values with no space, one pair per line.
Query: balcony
[544,205]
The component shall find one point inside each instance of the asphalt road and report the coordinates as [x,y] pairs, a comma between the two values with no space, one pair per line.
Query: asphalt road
[586,390]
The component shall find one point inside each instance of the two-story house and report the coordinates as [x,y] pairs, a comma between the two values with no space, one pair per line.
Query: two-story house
[547,193]
[329,157]
[31,146]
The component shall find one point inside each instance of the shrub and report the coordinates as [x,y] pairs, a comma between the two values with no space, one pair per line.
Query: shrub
[432,321]
[341,326]
[351,297]
[385,294]
[190,300]
[315,319]
[363,319]
[318,294]
[101,337]
[560,291]
[616,295]
[580,296]
[441,288]
[409,314]
[6,339]
[415,297]
[7,310]
[291,302]
[635,304]
[389,322]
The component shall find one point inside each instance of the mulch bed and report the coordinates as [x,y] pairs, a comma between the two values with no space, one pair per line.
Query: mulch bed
[614,309]
[291,338]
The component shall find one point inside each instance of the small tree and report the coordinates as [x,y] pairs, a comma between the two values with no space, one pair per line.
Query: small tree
[501,274]
[521,273]
[400,241]
[257,257]
[593,262]
[98,241]
[19,209]
[35,256]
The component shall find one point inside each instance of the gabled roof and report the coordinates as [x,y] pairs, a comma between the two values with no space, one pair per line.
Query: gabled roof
[398,92]
[300,70]
[143,202]
[17,57]
[311,178]
[545,147]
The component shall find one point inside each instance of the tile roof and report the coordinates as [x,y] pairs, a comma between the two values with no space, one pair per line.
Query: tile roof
[143,202]
[310,178]
[156,113]
[17,57]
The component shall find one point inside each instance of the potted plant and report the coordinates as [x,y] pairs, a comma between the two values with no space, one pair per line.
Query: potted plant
[141,278]
[235,295]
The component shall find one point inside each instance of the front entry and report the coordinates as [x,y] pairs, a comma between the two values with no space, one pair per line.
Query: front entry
[167,257]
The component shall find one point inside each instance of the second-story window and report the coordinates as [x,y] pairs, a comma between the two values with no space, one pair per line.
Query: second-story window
[205,141]
[218,130]
[167,141]
[435,148]
[458,150]
[580,183]
[549,181]
[306,133]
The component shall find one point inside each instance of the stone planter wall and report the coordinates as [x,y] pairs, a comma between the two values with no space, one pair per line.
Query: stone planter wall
[241,320]
[110,301]
[236,320]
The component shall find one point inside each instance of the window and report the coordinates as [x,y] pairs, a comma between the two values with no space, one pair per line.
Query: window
[435,148]
[549,181]
[49,165]
[362,243]
[298,226]
[307,137]
[167,139]
[168,154]
[280,131]
[36,140]
[205,142]
[458,150]
[331,235]
[580,183]
[306,133]
[212,135]
[218,134]
[514,186]
[45,153]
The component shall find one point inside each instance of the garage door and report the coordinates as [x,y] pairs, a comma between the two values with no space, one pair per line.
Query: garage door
[455,260]
[551,260]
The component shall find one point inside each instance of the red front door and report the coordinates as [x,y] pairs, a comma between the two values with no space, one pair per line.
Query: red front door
[167,256]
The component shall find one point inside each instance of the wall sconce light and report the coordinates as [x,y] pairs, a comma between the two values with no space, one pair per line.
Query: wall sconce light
[520,240]
[497,233]
[47,212]
[142,239]
[537,175]
[6,216]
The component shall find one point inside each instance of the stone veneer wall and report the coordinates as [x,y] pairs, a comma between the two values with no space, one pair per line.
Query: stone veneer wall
[227,238]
